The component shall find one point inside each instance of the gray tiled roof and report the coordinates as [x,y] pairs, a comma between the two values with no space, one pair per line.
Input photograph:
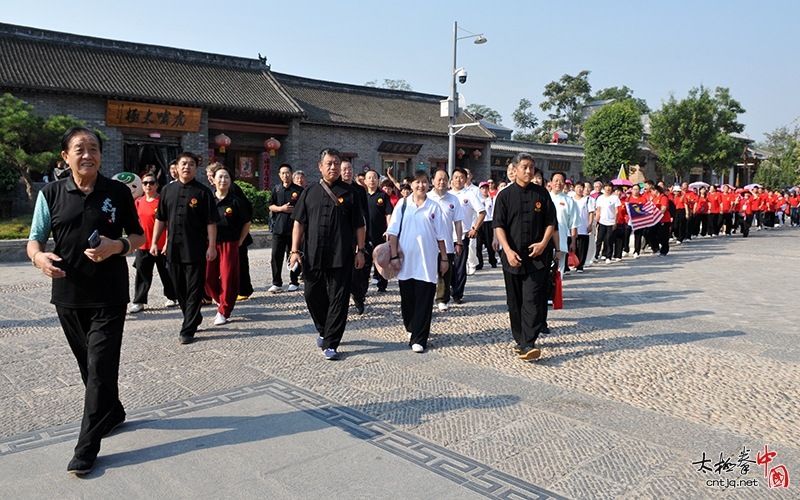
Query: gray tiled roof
[539,149]
[34,59]
[368,107]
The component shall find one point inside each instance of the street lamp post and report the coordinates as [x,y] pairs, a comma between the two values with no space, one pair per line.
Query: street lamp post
[452,101]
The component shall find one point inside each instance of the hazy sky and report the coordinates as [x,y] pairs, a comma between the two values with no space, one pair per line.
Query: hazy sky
[655,48]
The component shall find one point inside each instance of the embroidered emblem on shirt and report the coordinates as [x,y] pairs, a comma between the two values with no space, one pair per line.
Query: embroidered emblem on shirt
[380,201]
[110,209]
[341,200]
[228,212]
[193,203]
[538,206]
[452,207]
[294,195]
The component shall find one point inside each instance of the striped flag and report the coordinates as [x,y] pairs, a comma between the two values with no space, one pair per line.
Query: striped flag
[643,215]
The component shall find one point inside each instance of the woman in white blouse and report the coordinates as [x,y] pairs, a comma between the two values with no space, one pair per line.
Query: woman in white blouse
[419,228]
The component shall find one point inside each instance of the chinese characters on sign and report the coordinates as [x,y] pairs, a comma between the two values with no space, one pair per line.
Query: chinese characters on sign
[399,147]
[777,476]
[152,116]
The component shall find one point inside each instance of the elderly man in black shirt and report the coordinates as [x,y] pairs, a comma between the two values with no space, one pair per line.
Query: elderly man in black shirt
[524,221]
[328,215]
[360,276]
[281,203]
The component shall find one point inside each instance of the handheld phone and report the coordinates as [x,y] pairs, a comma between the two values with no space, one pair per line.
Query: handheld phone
[94,239]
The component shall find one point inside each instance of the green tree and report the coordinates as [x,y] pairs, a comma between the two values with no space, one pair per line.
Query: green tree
[782,168]
[28,142]
[621,94]
[613,134]
[488,113]
[526,122]
[390,84]
[565,98]
[725,151]
[682,132]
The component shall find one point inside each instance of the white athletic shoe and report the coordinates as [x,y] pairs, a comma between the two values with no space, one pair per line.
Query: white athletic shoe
[442,306]
[292,288]
[635,255]
[170,303]
[417,348]
[135,308]
[219,319]
[274,289]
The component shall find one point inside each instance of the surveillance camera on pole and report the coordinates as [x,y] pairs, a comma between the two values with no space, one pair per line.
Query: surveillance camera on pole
[462,75]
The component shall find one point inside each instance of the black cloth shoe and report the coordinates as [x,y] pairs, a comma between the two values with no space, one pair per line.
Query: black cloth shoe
[79,466]
[114,424]
[458,300]
[545,330]
[517,348]
[529,353]
[185,339]
[359,306]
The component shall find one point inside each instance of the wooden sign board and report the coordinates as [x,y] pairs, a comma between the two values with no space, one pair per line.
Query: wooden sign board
[152,116]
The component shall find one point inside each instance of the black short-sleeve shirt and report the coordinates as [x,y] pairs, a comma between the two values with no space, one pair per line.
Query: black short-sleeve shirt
[379,205]
[74,216]
[361,195]
[187,209]
[524,214]
[233,215]
[282,222]
[330,230]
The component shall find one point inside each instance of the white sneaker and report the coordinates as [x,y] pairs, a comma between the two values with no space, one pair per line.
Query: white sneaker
[135,308]
[608,261]
[274,289]
[442,306]
[624,254]
[417,348]
[373,281]
[170,303]
[616,259]
[292,288]
[408,335]
[220,319]
[635,255]
[470,271]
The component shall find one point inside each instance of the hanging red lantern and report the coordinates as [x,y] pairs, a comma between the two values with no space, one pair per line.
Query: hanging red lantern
[272,144]
[222,141]
[461,153]
[476,154]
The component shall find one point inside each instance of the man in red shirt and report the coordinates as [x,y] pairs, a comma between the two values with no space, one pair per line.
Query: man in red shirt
[660,232]
[146,208]
[744,211]
[794,211]
[715,210]
[757,202]
[690,198]
[680,224]
[728,199]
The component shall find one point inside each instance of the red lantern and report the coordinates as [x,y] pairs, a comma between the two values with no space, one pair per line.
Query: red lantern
[476,154]
[222,141]
[272,145]
[461,153]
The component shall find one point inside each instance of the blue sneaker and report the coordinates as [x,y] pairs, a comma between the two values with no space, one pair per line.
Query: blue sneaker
[331,354]
[319,342]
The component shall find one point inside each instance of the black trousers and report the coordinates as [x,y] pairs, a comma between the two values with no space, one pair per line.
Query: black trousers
[637,240]
[282,243]
[715,223]
[327,294]
[360,283]
[527,302]
[382,282]
[144,276]
[747,222]
[485,236]
[604,240]
[189,281]
[444,281]
[416,301]
[582,248]
[245,284]
[619,241]
[95,337]
[691,224]
[660,235]
[460,271]
[680,225]
[727,219]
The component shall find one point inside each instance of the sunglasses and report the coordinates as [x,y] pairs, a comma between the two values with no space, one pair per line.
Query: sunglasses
[148,183]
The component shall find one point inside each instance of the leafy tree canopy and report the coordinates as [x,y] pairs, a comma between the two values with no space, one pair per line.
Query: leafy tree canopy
[613,134]
[487,113]
[782,168]
[564,99]
[621,94]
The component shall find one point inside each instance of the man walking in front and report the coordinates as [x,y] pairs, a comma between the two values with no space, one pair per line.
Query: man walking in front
[329,217]
[524,221]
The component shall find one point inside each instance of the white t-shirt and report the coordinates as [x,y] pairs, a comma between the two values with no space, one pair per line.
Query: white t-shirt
[423,228]
[585,207]
[567,216]
[452,213]
[471,207]
[608,208]
[488,204]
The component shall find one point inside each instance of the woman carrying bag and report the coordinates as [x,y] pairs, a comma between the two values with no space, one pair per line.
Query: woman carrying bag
[422,241]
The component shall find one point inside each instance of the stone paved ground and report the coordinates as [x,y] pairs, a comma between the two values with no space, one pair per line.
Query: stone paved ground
[651,364]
